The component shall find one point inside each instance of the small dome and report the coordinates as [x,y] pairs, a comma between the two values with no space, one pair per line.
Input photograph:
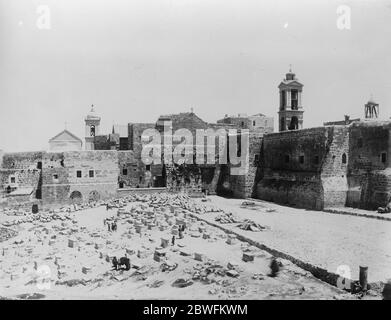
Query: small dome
[92,114]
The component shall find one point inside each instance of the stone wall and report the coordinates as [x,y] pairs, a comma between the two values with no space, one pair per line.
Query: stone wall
[334,167]
[291,164]
[369,178]
[20,176]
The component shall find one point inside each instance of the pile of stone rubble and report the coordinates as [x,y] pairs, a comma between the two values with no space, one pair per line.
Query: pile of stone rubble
[250,225]
[6,233]
[228,218]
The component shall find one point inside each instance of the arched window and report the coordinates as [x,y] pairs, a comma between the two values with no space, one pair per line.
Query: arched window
[294,125]
[344,158]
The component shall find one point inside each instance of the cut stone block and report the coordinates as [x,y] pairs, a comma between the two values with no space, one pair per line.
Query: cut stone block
[232,240]
[86,270]
[185,253]
[72,243]
[199,256]
[248,257]
[165,242]
[142,254]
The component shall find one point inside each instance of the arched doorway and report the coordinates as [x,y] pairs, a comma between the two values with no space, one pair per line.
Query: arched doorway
[76,197]
[94,196]
[294,125]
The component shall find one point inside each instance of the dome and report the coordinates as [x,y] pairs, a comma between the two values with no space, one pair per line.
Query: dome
[92,114]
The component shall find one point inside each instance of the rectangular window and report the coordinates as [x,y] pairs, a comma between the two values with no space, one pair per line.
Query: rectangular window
[55,177]
[384,157]
[316,160]
[91,173]
[78,173]
[254,123]
[125,172]
[287,158]
[301,159]
[148,167]
[13,180]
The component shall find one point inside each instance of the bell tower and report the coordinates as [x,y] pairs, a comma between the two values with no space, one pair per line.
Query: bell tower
[371,109]
[290,115]
[92,128]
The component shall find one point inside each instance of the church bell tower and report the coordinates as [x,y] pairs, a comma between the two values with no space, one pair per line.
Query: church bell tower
[291,111]
[92,128]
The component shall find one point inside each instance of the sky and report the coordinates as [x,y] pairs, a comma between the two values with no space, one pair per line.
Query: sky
[135,60]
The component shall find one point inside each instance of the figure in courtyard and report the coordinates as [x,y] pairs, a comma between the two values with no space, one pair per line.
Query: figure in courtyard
[274,268]
[115,263]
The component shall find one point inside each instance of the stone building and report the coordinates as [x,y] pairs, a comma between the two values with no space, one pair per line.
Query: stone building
[65,141]
[50,179]
[344,163]
[256,123]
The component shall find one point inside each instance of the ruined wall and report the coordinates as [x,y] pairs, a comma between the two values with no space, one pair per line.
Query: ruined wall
[130,169]
[20,175]
[369,176]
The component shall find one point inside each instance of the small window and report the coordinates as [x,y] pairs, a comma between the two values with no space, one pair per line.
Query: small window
[242,124]
[287,158]
[78,173]
[148,167]
[39,165]
[254,123]
[301,159]
[124,171]
[359,142]
[256,159]
[383,157]
[91,173]
[316,160]
[344,158]
[55,177]
[12,179]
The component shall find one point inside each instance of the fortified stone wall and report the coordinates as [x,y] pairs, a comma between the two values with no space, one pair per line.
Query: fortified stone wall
[291,164]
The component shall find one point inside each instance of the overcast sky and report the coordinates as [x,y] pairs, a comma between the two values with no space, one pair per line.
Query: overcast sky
[135,60]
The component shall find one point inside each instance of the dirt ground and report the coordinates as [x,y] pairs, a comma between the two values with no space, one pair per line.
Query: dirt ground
[320,238]
[39,263]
